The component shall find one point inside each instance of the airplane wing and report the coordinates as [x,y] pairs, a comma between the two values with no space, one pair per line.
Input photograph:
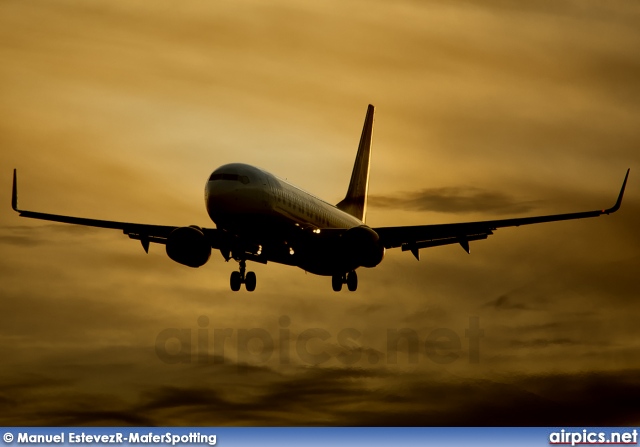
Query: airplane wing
[413,238]
[143,232]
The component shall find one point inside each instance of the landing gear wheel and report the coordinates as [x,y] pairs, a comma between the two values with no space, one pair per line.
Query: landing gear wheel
[336,283]
[235,281]
[250,281]
[352,281]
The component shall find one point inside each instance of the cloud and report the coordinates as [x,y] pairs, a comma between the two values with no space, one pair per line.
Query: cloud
[504,302]
[27,241]
[365,309]
[453,200]
[218,395]
[543,343]
[432,315]
[29,236]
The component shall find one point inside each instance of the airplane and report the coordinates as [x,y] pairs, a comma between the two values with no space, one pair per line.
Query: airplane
[262,218]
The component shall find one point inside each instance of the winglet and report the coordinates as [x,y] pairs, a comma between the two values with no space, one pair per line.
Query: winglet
[616,207]
[14,193]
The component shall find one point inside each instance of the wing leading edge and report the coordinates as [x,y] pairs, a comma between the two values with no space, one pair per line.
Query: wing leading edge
[414,238]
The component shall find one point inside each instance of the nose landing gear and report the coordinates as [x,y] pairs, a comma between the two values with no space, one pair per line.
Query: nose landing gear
[243,277]
[350,279]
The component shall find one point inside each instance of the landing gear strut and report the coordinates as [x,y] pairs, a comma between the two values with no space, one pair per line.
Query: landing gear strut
[350,279]
[243,277]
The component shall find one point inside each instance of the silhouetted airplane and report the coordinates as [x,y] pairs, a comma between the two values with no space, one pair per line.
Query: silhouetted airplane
[261,218]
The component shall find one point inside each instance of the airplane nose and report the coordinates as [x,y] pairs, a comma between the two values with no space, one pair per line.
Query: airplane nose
[224,198]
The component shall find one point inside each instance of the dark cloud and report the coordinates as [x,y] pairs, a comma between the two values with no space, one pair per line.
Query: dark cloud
[550,400]
[20,240]
[345,397]
[431,315]
[504,302]
[454,200]
[542,343]
[365,309]
[28,236]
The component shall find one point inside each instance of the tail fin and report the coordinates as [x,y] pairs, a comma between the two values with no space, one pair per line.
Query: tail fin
[355,202]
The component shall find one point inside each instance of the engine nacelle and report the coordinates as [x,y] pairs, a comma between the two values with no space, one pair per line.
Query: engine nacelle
[362,247]
[188,246]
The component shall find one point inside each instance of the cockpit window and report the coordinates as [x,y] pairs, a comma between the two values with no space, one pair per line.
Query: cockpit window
[233,177]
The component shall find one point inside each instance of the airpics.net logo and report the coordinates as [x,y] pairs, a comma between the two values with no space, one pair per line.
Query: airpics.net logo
[315,346]
[592,437]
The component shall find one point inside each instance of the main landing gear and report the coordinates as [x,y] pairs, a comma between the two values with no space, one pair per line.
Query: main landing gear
[350,279]
[242,277]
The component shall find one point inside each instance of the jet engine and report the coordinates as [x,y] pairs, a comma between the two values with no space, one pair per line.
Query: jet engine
[188,246]
[362,247]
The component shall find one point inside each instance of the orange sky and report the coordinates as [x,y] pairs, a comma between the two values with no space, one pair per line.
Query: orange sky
[120,110]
